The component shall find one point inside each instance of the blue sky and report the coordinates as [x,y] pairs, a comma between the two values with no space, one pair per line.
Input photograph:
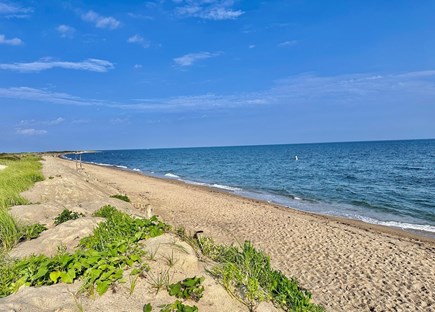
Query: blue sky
[172,73]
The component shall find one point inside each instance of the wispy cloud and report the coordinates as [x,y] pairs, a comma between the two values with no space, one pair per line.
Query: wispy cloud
[342,91]
[208,9]
[66,31]
[288,43]
[31,131]
[137,39]
[101,21]
[190,58]
[94,65]
[11,10]
[42,95]
[33,122]
[13,41]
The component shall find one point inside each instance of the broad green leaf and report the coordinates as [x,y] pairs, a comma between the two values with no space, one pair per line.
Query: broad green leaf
[147,307]
[54,276]
[102,287]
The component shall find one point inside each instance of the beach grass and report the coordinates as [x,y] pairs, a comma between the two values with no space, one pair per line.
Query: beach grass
[248,277]
[10,232]
[21,173]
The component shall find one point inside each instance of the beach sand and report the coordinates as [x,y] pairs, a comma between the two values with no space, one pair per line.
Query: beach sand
[347,265]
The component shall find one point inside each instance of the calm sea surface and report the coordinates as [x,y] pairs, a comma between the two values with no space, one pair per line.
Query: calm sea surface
[390,182]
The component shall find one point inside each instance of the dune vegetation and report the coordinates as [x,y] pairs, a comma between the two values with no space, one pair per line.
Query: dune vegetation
[19,174]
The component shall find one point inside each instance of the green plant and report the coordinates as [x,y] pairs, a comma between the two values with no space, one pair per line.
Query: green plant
[135,274]
[170,259]
[248,277]
[189,288]
[178,306]
[9,230]
[159,280]
[147,307]
[121,197]
[67,215]
[32,231]
[120,225]
[7,275]
[152,253]
[98,265]
[21,173]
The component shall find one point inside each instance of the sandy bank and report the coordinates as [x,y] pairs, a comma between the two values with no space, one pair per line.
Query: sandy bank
[348,265]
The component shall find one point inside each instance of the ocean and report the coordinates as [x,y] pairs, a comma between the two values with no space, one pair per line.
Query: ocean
[389,183]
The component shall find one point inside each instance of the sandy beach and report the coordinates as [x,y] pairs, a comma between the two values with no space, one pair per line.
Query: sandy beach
[347,265]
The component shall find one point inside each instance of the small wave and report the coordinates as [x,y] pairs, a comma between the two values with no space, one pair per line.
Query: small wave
[102,164]
[401,225]
[137,170]
[297,198]
[171,175]
[226,187]
[120,166]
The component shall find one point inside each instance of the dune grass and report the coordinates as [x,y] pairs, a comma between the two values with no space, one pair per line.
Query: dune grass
[21,173]
[9,230]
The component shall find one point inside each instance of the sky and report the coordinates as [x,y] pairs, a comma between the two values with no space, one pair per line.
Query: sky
[178,73]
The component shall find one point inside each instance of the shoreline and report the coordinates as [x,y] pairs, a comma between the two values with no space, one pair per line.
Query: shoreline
[419,235]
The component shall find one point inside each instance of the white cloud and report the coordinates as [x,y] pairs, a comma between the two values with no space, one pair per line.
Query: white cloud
[288,43]
[11,10]
[94,65]
[344,91]
[208,9]
[101,21]
[66,31]
[251,46]
[13,41]
[137,66]
[191,58]
[138,40]
[31,131]
[33,122]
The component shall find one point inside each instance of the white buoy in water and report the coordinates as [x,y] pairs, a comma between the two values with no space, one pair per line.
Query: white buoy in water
[296,157]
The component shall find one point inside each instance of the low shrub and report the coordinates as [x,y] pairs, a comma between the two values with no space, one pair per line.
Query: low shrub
[189,288]
[32,231]
[121,197]
[67,215]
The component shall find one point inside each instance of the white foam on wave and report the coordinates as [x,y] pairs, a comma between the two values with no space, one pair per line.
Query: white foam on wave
[171,175]
[122,167]
[102,164]
[226,187]
[219,186]
[401,225]
[138,170]
[297,198]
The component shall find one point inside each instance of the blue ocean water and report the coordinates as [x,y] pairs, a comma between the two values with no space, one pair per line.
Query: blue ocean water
[386,182]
